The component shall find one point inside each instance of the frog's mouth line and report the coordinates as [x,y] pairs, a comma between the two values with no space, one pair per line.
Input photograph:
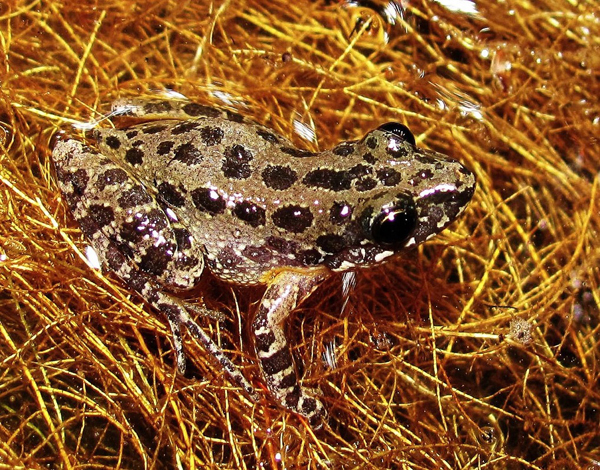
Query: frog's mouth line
[358,258]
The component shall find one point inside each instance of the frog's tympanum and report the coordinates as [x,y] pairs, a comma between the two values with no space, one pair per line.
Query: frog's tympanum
[190,186]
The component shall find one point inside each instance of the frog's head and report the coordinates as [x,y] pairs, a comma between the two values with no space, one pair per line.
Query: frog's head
[419,193]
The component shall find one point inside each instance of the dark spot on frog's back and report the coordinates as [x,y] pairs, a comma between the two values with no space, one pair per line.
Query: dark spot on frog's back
[164,147]
[282,245]
[208,200]
[389,176]
[103,214]
[134,197]
[113,142]
[154,220]
[345,149]
[235,117]
[399,152]
[115,176]
[115,259]
[184,127]
[134,156]
[310,257]
[153,129]
[328,179]
[188,154]
[195,109]
[294,152]
[279,177]
[236,163]
[183,238]
[369,158]
[359,170]
[131,134]
[426,174]
[147,225]
[188,261]
[293,218]
[268,136]
[250,213]
[365,184]
[371,142]
[157,107]
[169,194]
[211,135]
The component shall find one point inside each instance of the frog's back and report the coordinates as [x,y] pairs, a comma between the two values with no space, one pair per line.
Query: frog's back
[257,203]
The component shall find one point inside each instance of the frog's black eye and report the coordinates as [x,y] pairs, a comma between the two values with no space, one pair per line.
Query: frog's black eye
[394,224]
[399,130]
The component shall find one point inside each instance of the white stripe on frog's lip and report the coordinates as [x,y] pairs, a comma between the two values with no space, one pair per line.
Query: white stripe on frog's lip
[345,266]
[379,257]
[348,265]
[440,188]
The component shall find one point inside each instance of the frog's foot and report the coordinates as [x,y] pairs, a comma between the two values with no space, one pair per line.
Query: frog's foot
[285,291]
[279,372]
[203,311]
[177,316]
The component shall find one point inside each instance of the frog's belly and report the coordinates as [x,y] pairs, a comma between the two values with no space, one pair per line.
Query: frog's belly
[245,264]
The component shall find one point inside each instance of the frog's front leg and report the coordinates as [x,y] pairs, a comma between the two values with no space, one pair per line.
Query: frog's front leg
[284,292]
[174,309]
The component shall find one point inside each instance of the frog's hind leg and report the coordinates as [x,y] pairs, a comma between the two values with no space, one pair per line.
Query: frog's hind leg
[284,292]
[135,238]
[150,109]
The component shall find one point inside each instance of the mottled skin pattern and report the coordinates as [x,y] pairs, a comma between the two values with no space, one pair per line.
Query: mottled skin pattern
[191,185]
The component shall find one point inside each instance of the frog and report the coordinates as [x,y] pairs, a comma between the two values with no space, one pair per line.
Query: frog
[180,188]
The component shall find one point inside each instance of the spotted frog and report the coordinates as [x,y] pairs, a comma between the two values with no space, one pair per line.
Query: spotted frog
[187,186]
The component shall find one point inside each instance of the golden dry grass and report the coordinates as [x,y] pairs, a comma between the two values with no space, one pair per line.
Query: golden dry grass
[478,350]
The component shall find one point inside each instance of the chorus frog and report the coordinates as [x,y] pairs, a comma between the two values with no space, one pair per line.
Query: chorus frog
[188,186]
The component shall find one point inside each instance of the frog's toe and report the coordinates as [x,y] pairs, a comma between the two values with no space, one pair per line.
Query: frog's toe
[203,311]
[178,344]
[312,409]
